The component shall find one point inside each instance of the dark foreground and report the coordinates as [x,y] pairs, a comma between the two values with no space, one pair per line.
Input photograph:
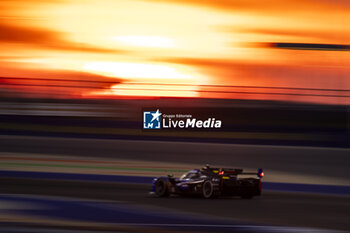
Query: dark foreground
[273,208]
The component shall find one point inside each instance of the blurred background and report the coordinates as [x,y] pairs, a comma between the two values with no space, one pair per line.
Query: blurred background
[76,75]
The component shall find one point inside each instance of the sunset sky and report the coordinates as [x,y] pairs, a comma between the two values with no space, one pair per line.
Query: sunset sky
[151,48]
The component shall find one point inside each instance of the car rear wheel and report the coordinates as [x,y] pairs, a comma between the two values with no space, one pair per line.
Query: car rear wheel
[161,188]
[207,189]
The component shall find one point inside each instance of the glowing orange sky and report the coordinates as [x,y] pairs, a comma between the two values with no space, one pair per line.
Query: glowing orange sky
[193,42]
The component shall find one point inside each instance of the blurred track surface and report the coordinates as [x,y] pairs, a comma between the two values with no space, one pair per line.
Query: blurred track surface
[308,164]
[273,208]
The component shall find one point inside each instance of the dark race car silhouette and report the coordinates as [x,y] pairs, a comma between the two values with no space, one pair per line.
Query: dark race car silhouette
[210,182]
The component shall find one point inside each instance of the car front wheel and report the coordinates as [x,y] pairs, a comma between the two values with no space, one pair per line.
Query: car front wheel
[161,188]
[207,189]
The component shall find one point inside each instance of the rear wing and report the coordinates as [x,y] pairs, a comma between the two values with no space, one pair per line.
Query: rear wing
[260,173]
[232,171]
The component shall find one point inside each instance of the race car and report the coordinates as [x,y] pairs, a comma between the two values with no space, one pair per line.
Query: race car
[210,182]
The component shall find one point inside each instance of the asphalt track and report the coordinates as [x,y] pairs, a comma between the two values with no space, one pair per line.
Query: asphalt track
[273,208]
[319,165]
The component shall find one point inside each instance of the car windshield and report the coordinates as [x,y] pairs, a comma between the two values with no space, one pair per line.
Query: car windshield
[190,175]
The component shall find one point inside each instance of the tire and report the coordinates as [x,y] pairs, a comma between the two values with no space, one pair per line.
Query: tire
[207,189]
[161,188]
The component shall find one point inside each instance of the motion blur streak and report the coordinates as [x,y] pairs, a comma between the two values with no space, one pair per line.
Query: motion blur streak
[80,78]
[146,41]
[191,42]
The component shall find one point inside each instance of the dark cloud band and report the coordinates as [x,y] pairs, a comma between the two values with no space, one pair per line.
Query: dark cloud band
[308,46]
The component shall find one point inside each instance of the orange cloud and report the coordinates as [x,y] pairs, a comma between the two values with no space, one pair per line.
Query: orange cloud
[266,6]
[45,38]
[293,35]
[45,82]
[231,72]
[202,39]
